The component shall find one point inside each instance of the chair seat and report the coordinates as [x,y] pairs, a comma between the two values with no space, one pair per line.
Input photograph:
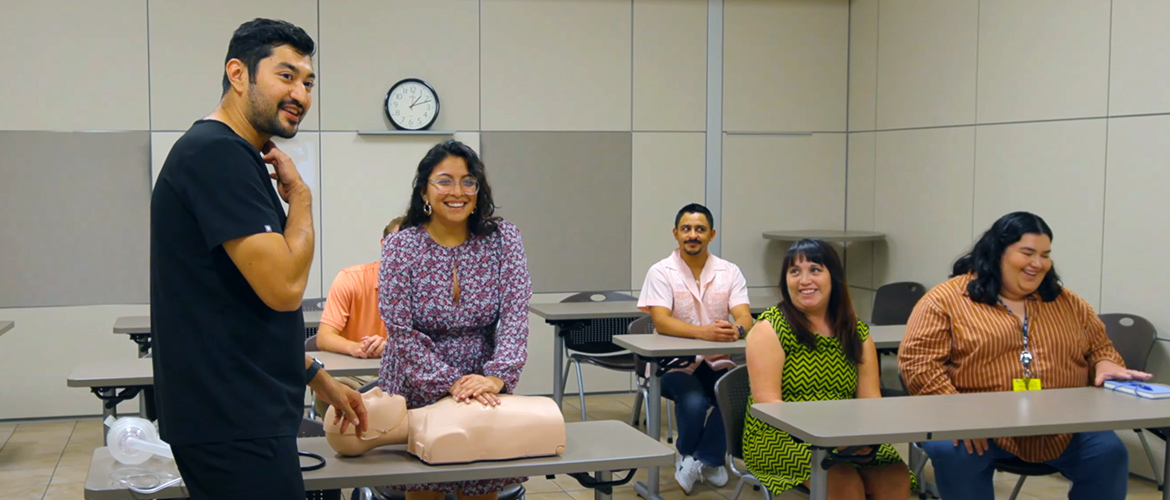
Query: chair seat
[1017,466]
[621,362]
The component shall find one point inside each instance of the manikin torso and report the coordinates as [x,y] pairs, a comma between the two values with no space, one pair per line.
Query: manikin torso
[453,432]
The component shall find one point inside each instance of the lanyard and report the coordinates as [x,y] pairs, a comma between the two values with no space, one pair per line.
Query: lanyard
[1026,354]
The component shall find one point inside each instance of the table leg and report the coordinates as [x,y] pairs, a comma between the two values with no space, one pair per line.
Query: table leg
[597,493]
[818,486]
[107,410]
[654,429]
[558,366]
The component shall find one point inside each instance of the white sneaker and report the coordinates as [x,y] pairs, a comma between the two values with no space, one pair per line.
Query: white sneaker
[717,476]
[687,472]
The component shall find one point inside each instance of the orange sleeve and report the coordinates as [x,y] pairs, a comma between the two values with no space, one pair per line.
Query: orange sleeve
[926,349]
[339,301]
[1100,347]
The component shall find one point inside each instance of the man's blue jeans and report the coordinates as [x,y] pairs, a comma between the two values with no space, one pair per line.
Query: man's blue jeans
[699,435]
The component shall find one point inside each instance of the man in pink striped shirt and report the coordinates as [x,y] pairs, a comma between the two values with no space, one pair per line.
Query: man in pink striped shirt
[691,294]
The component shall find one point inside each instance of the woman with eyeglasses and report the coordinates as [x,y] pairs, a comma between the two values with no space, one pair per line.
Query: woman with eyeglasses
[453,291]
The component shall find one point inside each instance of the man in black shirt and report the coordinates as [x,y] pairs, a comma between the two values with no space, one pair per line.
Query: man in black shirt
[228,270]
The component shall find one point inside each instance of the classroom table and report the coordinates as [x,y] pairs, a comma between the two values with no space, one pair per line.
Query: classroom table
[138,328]
[6,325]
[117,381]
[598,447]
[652,347]
[858,422]
[566,316]
[829,235]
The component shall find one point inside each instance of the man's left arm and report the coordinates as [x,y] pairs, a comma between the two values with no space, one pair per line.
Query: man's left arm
[741,308]
[347,402]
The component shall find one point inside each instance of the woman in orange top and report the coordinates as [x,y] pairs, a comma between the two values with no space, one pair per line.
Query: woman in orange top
[1003,321]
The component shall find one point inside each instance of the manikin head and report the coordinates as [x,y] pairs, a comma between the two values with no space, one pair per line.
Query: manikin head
[388,424]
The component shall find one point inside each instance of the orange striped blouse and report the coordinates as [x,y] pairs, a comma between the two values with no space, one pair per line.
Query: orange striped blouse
[955,345]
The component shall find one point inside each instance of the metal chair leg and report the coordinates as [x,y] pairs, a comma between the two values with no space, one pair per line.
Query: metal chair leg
[669,421]
[580,389]
[1150,456]
[1019,484]
[639,397]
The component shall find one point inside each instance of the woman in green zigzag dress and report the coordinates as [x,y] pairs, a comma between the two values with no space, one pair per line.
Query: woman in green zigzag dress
[812,347]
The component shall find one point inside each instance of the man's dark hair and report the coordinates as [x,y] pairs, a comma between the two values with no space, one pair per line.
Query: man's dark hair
[695,208]
[254,40]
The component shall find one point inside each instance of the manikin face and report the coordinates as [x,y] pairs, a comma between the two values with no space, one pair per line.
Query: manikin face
[1024,265]
[693,234]
[282,92]
[810,286]
[451,191]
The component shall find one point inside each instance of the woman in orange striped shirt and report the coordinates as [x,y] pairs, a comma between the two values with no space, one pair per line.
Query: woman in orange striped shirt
[1003,319]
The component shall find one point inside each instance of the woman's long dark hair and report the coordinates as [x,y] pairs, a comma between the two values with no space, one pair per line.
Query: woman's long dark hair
[482,221]
[985,258]
[840,312]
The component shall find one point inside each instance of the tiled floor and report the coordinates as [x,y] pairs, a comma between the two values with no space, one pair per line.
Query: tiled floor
[44,461]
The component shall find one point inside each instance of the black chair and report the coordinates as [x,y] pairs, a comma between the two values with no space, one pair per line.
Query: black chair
[731,392]
[593,344]
[311,305]
[893,302]
[1134,336]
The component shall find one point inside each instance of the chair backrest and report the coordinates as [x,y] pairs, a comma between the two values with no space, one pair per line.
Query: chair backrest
[311,344]
[1133,336]
[311,428]
[597,336]
[893,302]
[643,325]
[731,393]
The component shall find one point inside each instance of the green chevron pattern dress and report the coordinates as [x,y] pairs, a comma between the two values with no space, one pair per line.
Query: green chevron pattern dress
[820,374]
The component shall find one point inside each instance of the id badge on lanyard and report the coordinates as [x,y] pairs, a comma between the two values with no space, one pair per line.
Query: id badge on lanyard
[1027,382]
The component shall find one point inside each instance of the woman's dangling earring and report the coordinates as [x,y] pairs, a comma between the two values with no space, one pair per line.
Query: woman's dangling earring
[427,208]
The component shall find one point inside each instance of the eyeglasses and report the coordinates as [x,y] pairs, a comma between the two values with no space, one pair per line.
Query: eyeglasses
[444,185]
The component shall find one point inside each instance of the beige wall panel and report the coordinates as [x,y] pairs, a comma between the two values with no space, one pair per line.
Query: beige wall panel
[670,65]
[927,62]
[863,51]
[785,65]
[1132,277]
[549,66]
[859,205]
[1043,60]
[75,65]
[1139,68]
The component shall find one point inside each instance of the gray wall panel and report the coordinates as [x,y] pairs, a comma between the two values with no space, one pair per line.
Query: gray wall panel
[570,195]
[75,224]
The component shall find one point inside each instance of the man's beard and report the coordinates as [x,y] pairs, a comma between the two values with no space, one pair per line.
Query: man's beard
[266,119]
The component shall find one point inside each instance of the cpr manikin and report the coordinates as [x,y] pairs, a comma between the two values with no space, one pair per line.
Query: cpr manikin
[453,432]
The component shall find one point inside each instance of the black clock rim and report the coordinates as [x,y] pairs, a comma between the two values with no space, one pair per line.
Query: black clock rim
[386,104]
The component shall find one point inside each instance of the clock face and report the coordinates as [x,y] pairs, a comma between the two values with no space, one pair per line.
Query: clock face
[412,104]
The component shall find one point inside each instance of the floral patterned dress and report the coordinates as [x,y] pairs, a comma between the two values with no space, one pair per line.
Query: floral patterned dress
[433,340]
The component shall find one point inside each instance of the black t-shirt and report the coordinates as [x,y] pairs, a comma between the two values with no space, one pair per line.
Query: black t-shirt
[226,366]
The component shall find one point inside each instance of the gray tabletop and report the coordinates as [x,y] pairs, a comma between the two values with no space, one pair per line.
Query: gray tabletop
[590,446]
[6,325]
[824,234]
[887,336]
[135,325]
[656,345]
[855,422]
[140,371]
[568,311]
